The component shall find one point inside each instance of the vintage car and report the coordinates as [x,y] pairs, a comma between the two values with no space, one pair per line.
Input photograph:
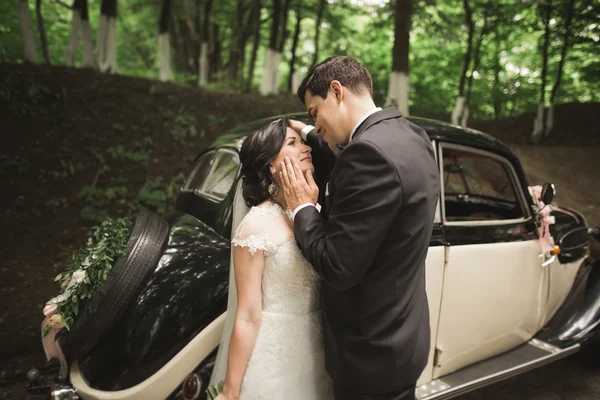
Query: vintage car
[505,294]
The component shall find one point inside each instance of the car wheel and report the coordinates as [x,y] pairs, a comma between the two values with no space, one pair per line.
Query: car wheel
[109,303]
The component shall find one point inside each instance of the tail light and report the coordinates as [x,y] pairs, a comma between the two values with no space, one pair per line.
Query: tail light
[191,387]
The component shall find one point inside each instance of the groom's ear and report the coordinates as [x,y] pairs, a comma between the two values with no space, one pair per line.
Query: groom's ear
[337,90]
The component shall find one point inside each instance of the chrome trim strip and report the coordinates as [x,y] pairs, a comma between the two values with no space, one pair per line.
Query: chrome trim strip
[488,223]
[555,353]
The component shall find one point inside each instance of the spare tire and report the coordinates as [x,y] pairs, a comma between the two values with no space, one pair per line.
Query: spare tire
[109,303]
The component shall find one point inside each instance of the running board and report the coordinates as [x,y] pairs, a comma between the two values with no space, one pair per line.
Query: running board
[530,355]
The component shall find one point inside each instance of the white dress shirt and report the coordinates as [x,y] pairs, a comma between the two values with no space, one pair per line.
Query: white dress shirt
[304,133]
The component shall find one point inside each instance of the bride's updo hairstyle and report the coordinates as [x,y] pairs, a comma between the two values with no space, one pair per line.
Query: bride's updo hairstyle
[257,152]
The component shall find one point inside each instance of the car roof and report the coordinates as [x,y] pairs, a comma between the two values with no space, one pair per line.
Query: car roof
[437,130]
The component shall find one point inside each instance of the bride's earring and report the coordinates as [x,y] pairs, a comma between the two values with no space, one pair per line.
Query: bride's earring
[273,189]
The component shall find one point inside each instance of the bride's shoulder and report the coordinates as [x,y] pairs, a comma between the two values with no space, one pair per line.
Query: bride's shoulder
[260,229]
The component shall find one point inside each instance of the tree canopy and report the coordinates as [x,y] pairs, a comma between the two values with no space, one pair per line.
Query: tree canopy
[505,82]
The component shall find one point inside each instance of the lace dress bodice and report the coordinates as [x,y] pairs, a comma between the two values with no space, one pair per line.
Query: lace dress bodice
[289,284]
[287,361]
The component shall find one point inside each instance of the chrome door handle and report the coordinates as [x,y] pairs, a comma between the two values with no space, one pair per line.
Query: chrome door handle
[549,261]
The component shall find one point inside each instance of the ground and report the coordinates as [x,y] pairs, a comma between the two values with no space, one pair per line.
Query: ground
[77,145]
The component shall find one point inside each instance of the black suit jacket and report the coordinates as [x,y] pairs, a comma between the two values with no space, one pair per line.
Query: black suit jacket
[370,254]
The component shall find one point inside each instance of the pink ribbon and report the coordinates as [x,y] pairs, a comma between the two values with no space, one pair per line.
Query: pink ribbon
[546,239]
[51,345]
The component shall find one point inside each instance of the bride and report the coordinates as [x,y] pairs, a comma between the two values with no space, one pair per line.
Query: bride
[272,346]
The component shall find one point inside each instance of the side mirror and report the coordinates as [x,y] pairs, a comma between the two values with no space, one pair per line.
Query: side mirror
[548,193]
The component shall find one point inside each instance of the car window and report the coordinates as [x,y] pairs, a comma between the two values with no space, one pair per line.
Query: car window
[199,173]
[221,176]
[478,187]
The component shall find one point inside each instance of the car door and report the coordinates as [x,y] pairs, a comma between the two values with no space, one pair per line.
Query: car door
[494,288]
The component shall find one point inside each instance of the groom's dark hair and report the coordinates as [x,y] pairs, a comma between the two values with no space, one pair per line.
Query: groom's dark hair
[349,72]
[255,155]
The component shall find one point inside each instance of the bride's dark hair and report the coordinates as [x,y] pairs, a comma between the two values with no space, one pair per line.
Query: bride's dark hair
[257,152]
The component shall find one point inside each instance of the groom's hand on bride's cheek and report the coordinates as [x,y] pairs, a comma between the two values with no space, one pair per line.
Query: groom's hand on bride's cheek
[298,187]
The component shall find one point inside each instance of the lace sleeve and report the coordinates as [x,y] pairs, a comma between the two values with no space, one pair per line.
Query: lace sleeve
[250,234]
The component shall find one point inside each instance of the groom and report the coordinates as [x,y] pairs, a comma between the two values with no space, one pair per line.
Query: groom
[370,245]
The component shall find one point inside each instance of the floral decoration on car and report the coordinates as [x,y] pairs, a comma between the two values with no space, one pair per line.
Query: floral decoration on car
[89,267]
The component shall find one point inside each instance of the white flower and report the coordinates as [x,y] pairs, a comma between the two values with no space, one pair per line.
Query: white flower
[78,277]
[58,299]
[56,322]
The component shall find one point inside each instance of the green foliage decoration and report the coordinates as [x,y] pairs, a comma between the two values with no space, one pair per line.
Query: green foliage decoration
[89,267]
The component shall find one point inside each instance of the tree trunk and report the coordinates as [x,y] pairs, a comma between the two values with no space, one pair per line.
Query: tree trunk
[398,88]
[236,38]
[255,42]
[42,29]
[283,32]
[460,100]
[320,11]
[540,121]
[247,33]
[563,55]
[164,45]
[282,37]
[27,34]
[187,45]
[270,77]
[476,61]
[76,28]
[88,42]
[204,62]
[291,79]
[180,42]
[216,59]
[496,84]
[106,46]
[197,43]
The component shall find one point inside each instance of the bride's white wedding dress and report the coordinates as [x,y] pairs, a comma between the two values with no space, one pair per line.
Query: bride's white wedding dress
[287,361]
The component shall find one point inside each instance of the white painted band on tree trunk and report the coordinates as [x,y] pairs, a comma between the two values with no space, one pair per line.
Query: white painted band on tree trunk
[88,44]
[27,34]
[398,92]
[465,117]
[111,47]
[203,65]
[458,109]
[164,57]
[267,77]
[549,120]
[275,70]
[296,81]
[538,122]
[100,51]
[71,51]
